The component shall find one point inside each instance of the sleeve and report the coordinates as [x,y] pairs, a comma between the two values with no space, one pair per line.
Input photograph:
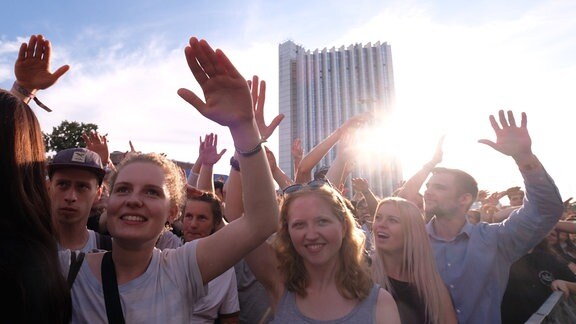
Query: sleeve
[529,224]
[230,304]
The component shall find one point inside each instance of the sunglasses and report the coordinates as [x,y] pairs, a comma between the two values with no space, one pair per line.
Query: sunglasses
[312,184]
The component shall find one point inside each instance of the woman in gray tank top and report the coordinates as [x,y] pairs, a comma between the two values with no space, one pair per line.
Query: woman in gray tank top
[315,271]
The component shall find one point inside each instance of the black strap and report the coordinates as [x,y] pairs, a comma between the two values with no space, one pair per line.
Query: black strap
[110,287]
[75,264]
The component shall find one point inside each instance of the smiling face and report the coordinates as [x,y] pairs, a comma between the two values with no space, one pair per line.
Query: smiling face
[139,204]
[316,233]
[388,229]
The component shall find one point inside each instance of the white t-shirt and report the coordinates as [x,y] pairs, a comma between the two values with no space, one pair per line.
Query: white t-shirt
[222,298]
[163,294]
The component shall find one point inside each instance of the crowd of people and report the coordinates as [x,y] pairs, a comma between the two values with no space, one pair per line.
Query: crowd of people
[141,242]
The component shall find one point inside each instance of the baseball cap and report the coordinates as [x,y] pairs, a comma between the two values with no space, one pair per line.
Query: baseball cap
[78,158]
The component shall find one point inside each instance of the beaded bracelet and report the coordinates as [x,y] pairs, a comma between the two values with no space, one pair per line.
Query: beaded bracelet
[253,151]
[27,94]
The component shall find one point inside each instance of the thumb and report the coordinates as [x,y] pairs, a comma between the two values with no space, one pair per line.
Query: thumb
[221,153]
[488,142]
[60,71]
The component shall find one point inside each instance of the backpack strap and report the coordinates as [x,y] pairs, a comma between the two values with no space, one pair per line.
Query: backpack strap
[110,288]
[75,264]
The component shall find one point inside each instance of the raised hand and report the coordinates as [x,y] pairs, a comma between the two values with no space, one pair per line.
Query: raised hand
[208,151]
[32,68]
[228,99]
[297,151]
[360,184]
[511,139]
[97,143]
[438,154]
[258,98]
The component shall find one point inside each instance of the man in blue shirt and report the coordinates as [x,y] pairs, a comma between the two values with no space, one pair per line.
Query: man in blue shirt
[474,260]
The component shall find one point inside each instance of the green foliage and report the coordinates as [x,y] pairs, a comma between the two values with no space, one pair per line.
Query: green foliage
[67,135]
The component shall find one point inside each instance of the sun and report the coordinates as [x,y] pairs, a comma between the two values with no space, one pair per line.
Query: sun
[403,137]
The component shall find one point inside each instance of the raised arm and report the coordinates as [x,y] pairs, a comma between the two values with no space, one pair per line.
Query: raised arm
[208,156]
[280,177]
[32,69]
[411,189]
[312,158]
[542,207]
[361,185]
[297,153]
[228,102]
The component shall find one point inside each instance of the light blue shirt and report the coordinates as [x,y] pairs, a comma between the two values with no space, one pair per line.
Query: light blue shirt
[475,264]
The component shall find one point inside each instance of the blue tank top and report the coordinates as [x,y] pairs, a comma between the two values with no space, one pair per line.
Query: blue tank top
[287,311]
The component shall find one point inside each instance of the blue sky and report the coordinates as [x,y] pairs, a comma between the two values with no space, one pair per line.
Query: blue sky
[455,62]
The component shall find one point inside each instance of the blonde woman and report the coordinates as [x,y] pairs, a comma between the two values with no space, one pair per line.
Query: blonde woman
[403,262]
[316,271]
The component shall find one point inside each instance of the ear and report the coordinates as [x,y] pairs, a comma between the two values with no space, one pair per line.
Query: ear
[173,213]
[98,194]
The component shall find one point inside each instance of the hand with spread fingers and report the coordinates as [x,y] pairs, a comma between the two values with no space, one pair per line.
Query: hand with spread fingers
[511,139]
[258,92]
[32,68]
[228,101]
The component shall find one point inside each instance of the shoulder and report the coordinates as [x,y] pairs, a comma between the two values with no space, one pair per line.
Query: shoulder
[386,309]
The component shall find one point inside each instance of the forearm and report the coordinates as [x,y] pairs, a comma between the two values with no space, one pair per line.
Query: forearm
[281,178]
[411,188]
[234,206]
[310,160]
[336,171]
[566,226]
[371,201]
[260,205]
[205,178]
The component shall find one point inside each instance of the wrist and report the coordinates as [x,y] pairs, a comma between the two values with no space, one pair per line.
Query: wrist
[234,164]
[246,136]
[22,93]
[527,162]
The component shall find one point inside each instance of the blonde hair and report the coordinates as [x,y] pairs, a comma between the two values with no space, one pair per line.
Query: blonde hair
[352,274]
[418,263]
[172,173]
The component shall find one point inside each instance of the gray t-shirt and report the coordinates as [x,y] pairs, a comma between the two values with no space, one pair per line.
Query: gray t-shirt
[365,312]
[163,294]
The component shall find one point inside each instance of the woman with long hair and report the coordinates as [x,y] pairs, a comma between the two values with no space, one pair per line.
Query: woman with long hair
[403,262]
[316,270]
[33,287]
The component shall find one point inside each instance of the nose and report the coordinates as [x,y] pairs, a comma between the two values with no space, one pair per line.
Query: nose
[311,233]
[134,201]
[70,196]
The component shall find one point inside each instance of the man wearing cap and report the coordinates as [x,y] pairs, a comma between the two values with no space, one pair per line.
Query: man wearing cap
[75,183]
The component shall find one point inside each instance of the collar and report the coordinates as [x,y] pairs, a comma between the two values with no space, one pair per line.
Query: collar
[465,230]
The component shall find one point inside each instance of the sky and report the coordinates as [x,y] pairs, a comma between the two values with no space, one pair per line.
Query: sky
[455,63]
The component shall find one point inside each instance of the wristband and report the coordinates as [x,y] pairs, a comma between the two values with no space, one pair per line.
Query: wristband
[27,94]
[253,151]
[234,164]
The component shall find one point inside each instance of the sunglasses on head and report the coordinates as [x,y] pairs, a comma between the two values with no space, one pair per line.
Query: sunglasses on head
[317,183]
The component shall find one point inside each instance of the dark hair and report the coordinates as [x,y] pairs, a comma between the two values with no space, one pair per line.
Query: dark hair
[218,184]
[215,205]
[464,182]
[27,236]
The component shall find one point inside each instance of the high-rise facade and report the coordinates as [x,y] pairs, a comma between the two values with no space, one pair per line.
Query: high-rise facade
[321,89]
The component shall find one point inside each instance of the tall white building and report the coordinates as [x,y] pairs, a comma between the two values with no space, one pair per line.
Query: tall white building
[321,89]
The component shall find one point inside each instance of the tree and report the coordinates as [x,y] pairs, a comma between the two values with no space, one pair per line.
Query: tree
[67,135]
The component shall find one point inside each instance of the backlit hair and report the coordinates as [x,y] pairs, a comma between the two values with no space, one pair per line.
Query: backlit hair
[418,263]
[352,274]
